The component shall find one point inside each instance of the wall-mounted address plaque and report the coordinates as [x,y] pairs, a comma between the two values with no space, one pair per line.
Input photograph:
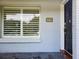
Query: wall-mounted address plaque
[49,19]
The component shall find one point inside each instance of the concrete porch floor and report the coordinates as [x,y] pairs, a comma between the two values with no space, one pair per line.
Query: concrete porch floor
[34,55]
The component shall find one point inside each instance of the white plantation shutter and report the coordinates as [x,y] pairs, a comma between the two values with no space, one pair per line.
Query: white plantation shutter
[21,22]
[31,23]
[11,22]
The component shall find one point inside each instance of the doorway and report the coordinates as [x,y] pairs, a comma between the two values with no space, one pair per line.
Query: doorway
[68,27]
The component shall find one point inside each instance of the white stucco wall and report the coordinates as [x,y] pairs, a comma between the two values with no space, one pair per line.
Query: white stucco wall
[50,33]
[75,29]
[77,25]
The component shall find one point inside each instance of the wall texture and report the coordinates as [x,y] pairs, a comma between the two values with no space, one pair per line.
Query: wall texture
[49,32]
[76,40]
[75,29]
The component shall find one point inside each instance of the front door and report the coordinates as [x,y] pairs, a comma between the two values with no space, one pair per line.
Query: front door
[68,26]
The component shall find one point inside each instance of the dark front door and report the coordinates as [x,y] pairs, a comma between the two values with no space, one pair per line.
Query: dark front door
[68,26]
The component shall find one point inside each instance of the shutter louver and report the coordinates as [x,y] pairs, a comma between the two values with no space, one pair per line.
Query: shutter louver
[11,22]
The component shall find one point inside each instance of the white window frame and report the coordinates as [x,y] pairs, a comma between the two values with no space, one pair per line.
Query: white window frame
[19,38]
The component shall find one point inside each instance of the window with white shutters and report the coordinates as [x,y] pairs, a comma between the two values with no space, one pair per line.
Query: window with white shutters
[20,22]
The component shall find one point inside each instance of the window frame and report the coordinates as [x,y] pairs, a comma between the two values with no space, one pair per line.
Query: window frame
[20,37]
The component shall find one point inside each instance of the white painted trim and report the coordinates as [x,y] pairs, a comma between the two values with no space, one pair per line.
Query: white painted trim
[2,22]
[27,7]
[21,25]
[62,26]
[14,40]
[18,38]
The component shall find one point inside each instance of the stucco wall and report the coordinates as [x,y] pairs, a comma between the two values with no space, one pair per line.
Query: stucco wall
[49,32]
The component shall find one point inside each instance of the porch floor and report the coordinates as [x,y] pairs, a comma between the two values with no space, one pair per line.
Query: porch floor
[34,55]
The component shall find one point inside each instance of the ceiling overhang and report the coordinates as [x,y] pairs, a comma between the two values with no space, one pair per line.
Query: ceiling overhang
[7,2]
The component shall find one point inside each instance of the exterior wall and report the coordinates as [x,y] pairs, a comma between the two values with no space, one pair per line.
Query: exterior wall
[49,32]
[75,29]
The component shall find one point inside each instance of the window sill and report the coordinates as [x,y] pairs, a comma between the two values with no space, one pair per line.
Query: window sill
[19,40]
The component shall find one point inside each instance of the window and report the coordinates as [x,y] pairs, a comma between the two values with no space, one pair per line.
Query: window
[20,22]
